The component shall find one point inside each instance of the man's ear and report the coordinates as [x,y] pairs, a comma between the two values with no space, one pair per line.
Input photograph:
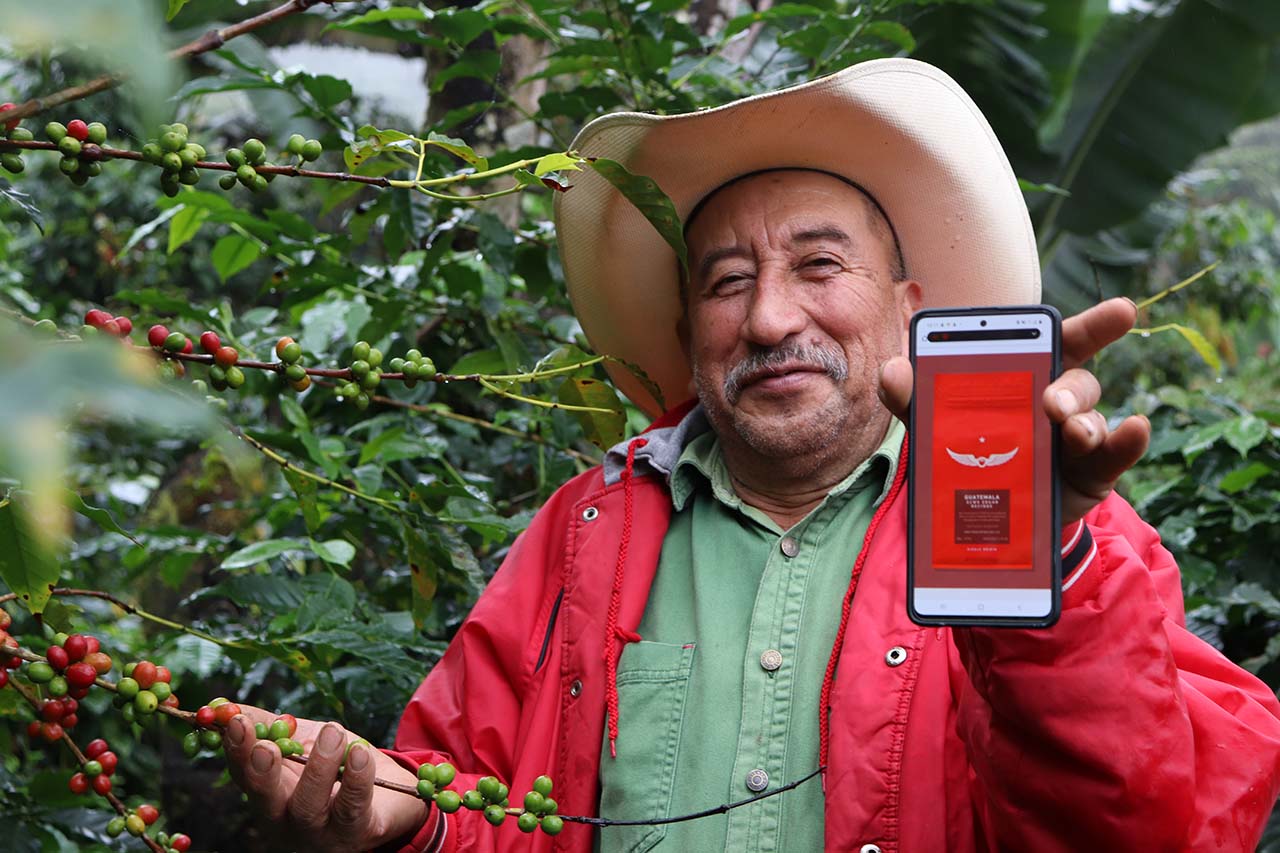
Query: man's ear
[912,297]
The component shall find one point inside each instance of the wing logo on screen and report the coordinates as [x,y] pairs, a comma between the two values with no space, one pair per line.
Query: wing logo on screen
[990,461]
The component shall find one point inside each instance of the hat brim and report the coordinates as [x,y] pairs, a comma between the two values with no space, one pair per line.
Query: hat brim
[900,128]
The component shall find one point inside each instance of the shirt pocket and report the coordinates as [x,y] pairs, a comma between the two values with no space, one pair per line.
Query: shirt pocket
[653,680]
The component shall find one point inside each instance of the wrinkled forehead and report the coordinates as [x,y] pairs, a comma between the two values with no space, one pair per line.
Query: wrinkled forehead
[783,177]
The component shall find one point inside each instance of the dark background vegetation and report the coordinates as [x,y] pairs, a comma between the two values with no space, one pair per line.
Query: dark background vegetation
[1142,136]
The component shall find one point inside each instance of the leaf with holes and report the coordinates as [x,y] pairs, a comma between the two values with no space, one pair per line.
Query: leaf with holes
[650,200]
[603,429]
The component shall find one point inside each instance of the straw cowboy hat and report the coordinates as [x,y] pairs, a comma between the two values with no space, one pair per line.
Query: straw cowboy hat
[901,129]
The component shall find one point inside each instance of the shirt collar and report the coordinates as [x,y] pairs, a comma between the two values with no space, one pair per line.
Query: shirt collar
[702,462]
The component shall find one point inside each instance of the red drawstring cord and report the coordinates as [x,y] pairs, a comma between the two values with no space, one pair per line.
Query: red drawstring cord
[613,633]
[824,703]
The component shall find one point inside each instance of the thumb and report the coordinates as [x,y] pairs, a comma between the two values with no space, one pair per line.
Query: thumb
[895,386]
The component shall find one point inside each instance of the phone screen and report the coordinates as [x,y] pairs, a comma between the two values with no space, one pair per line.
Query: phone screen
[983,539]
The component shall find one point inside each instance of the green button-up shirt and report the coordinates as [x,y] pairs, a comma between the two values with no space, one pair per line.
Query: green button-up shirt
[720,699]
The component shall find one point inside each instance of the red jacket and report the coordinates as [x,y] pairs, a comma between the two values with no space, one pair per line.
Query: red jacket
[1116,729]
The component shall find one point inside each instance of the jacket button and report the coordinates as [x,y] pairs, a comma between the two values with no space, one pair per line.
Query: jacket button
[590,514]
[896,656]
[790,547]
[757,780]
[575,688]
[869,848]
[770,660]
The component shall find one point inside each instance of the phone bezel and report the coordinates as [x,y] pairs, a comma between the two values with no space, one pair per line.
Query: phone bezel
[1055,582]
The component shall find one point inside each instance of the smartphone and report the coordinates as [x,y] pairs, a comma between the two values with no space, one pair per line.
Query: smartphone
[983,513]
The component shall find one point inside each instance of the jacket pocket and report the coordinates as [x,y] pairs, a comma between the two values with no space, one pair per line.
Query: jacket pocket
[653,680]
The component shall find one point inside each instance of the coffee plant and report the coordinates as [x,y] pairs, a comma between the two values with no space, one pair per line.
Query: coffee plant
[285,366]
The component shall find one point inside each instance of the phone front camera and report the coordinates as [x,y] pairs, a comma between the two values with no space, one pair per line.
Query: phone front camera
[982,323]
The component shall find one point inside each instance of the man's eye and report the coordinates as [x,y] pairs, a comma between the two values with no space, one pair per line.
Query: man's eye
[821,262]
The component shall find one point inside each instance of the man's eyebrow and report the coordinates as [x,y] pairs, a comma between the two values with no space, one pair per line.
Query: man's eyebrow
[822,232]
[710,259]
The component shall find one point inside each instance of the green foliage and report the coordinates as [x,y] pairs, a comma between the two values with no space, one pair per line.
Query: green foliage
[316,558]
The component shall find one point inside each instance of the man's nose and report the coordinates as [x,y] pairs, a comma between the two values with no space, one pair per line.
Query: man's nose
[775,313]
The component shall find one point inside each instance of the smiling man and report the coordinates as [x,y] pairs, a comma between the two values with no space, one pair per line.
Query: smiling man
[719,610]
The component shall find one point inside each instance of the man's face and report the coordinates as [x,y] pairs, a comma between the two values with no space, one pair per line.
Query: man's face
[791,311]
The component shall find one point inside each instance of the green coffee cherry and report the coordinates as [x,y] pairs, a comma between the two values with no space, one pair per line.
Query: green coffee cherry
[427,772]
[69,146]
[127,688]
[278,729]
[448,801]
[12,162]
[40,672]
[295,145]
[246,174]
[69,165]
[97,132]
[171,162]
[190,177]
[445,774]
[426,789]
[152,153]
[191,744]
[211,739]
[472,800]
[188,157]
[115,826]
[21,134]
[291,352]
[542,785]
[312,150]
[235,376]
[173,141]
[255,152]
[360,350]
[56,131]
[227,182]
[146,702]
[162,690]
[527,822]
[552,825]
[260,731]
[295,372]
[359,368]
[495,814]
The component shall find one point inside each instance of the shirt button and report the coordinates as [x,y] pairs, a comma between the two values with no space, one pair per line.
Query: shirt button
[896,656]
[790,547]
[869,848]
[757,780]
[771,660]
[575,688]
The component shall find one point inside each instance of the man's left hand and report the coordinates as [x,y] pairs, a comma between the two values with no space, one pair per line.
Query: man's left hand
[1092,456]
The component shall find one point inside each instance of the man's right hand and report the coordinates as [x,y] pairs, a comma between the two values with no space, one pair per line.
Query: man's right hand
[305,805]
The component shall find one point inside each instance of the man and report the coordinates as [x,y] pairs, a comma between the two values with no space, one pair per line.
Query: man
[720,609]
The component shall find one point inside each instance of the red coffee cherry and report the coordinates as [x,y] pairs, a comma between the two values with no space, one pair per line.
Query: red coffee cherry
[77,647]
[108,760]
[96,317]
[58,658]
[126,326]
[145,674]
[69,721]
[50,732]
[156,335]
[226,356]
[81,674]
[102,784]
[180,842]
[100,661]
[4,678]
[163,674]
[223,714]
[209,342]
[292,722]
[205,717]
[79,783]
[149,814]
[171,702]
[13,122]
[95,748]
[78,129]
[33,729]
[52,711]
[111,327]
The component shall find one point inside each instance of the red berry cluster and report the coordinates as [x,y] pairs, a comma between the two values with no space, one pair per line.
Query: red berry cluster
[102,321]
[7,662]
[136,821]
[97,770]
[11,161]
[143,689]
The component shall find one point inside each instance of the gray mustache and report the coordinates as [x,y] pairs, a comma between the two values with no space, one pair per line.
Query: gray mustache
[829,361]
